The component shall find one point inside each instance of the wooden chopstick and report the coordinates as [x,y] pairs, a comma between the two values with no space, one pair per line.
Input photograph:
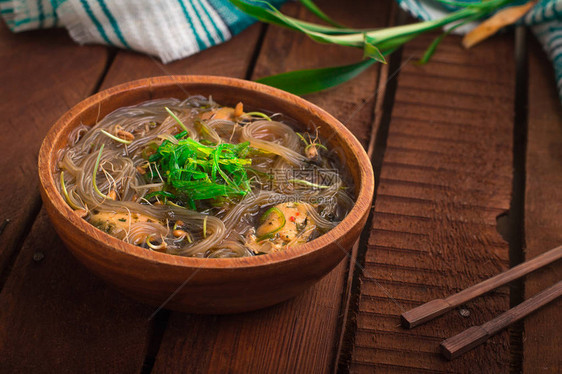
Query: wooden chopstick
[437,307]
[476,335]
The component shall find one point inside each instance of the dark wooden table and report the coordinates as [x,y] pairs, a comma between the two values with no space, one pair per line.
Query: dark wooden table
[468,158]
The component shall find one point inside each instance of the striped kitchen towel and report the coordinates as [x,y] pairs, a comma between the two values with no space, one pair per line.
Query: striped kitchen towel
[169,29]
[545,19]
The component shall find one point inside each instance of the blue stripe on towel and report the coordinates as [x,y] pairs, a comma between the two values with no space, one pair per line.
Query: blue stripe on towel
[200,43]
[208,14]
[41,13]
[113,23]
[207,33]
[95,21]
[54,5]
[23,21]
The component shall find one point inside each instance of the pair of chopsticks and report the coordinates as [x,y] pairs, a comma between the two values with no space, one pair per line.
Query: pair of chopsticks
[476,335]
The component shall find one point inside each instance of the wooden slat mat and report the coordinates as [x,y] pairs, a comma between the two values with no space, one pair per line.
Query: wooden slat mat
[446,176]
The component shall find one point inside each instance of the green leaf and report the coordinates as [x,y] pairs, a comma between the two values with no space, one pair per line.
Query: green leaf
[301,82]
[327,29]
[277,18]
[375,43]
[433,46]
[391,44]
[319,13]
[274,16]
[392,36]
[470,4]
[371,51]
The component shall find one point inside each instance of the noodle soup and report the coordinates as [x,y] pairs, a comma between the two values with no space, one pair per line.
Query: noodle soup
[194,178]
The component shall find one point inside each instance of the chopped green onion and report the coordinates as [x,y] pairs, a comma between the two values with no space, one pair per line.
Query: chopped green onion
[168,202]
[311,143]
[165,194]
[96,166]
[195,171]
[318,145]
[258,114]
[181,134]
[155,247]
[176,119]
[65,193]
[116,138]
[307,183]
[205,227]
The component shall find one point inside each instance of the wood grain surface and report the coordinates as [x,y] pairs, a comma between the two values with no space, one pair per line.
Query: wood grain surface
[543,208]
[57,317]
[468,339]
[434,308]
[43,74]
[446,175]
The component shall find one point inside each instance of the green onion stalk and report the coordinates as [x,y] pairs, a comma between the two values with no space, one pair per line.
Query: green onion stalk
[377,44]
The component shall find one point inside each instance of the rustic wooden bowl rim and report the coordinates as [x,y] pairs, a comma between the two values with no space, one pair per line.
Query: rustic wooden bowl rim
[47,158]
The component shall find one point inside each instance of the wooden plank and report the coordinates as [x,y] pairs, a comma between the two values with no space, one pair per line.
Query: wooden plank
[543,212]
[57,317]
[60,318]
[47,323]
[301,335]
[43,74]
[446,175]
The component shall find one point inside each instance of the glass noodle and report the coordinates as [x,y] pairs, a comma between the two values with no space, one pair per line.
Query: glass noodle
[194,178]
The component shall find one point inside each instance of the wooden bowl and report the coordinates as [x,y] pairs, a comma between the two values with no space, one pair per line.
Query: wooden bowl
[204,285]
